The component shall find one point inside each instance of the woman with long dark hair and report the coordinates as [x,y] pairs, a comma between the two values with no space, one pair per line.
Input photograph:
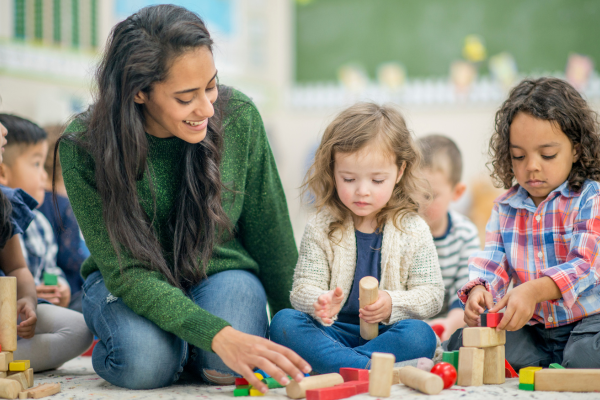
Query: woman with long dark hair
[176,191]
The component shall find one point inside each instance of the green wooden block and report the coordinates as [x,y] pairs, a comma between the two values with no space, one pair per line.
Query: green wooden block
[50,279]
[272,383]
[448,357]
[238,392]
[456,359]
[556,366]
[527,386]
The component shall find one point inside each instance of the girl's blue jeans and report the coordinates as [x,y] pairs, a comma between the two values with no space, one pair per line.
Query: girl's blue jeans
[135,353]
[329,348]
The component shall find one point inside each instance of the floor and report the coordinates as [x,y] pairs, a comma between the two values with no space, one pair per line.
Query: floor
[79,382]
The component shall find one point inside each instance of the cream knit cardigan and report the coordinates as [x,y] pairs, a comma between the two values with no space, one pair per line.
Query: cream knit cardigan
[410,271]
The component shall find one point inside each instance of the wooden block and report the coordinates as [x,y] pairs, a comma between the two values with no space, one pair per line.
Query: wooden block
[272,383]
[483,337]
[8,313]
[295,390]
[361,386]
[3,374]
[43,390]
[396,376]
[9,389]
[382,370]
[259,376]
[493,365]
[509,372]
[331,393]
[21,378]
[19,365]
[556,366]
[424,382]
[6,358]
[527,386]
[241,391]
[448,357]
[256,392]
[50,279]
[470,363]
[354,374]
[367,294]
[241,381]
[492,320]
[526,375]
[567,380]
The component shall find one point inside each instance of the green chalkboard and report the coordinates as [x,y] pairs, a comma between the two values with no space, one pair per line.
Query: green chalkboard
[427,35]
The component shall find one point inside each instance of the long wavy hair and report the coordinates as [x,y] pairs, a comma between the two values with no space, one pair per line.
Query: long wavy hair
[138,55]
[352,130]
[554,100]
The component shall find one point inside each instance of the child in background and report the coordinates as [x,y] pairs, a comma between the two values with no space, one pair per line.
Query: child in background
[367,198]
[49,335]
[72,250]
[454,235]
[544,232]
[23,167]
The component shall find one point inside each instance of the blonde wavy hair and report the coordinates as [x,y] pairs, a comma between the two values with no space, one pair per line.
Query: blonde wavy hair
[352,130]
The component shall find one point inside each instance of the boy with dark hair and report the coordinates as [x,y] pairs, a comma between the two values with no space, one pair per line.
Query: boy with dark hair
[23,167]
[455,236]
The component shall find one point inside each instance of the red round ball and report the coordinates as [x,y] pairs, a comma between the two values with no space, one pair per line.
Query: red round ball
[447,372]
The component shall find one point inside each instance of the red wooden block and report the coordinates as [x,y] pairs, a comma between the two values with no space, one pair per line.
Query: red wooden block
[493,319]
[361,386]
[90,351]
[241,381]
[331,393]
[354,374]
[509,372]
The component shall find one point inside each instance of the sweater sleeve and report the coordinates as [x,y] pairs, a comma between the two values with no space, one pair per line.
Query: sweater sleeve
[144,291]
[264,225]
[312,274]
[424,294]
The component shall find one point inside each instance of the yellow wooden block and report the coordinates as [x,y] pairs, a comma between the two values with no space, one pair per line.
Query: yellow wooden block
[526,375]
[19,365]
[256,392]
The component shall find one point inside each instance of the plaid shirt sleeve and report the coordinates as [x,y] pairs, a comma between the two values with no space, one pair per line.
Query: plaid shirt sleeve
[489,267]
[580,273]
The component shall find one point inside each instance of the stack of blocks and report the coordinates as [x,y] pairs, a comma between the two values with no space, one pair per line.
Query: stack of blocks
[559,379]
[481,359]
[243,388]
[16,376]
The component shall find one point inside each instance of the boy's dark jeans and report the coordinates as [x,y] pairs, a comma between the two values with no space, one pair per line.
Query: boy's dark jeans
[576,345]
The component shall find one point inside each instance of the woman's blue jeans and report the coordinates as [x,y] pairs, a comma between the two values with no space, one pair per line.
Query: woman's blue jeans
[329,348]
[135,353]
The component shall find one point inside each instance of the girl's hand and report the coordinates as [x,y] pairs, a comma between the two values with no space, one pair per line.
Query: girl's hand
[520,304]
[26,310]
[378,311]
[49,293]
[243,352]
[65,295]
[479,298]
[328,305]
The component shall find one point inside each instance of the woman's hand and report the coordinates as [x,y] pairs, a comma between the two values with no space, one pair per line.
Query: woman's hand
[65,294]
[26,310]
[479,298]
[243,352]
[378,311]
[328,305]
[49,293]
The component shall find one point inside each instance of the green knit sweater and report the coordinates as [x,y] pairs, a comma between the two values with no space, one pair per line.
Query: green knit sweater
[263,241]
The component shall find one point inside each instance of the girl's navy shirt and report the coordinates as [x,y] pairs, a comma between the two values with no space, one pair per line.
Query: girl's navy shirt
[368,263]
[22,208]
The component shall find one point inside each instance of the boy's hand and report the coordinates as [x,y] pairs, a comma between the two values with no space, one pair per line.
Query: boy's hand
[328,305]
[49,293]
[520,304]
[378,311]
[479,298]
[26,310]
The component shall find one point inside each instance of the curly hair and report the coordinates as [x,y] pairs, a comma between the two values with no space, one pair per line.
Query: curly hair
[352,130]
[554,100]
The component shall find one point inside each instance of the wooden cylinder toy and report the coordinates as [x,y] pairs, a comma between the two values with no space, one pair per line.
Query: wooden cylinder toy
[424,382]
[296,390]
[381,376]
[8,313]
[368,293]
[9,389]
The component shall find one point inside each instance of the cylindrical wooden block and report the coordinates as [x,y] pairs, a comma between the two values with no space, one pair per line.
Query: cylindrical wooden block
[381,376]
[368,293]
[296,390]
[8,313]
[9,389]
[424,382]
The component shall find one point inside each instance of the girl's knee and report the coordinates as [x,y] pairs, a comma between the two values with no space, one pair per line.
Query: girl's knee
[423,337]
